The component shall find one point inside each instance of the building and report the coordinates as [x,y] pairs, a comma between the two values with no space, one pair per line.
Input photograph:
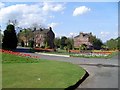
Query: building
[44,38]
[82,38]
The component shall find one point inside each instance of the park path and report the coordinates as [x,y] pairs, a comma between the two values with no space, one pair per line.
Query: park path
[103,72]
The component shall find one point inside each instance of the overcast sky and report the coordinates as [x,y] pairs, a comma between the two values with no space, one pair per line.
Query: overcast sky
[66,18]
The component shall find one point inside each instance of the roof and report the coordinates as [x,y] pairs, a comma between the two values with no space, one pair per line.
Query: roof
[84,35]
[42,31]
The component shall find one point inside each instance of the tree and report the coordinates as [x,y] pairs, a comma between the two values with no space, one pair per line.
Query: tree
[57,42]
[96,42]
[10,38]
[1,39]
[69,43]
[62,42]
[25,35]
[118,41]
[112,44]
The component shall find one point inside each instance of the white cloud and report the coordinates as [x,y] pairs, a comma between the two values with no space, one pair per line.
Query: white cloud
[104,34]
[81,10]
[27,15]
[52,7]
[51,16]
[1,5]
[72,34]
[53,25]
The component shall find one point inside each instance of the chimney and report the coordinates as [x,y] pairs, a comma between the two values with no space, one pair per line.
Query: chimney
[34,29]
[41,29]
[81,34]
[50,28]
[90,33]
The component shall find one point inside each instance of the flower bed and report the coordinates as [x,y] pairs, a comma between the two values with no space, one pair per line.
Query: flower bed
[43,50]
[18,57]
[90,55]
[18,54]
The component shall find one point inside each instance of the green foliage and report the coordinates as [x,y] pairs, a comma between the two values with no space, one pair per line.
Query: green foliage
[25,35]
[113,44]
[69,43]
[57,42]
[83,47]
[31,43]
[62,42]
[96,42]
[10,38]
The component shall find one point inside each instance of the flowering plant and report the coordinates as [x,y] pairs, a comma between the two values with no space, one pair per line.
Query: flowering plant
[10,56]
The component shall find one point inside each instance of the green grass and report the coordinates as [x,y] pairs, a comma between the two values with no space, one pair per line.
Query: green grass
[52,74]
[9,58]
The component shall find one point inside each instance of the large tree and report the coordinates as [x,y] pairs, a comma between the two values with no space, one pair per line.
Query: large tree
[57,42]
[26,36]
[69,43]
[63,42]
[112,44]
[10,38]
[96,42]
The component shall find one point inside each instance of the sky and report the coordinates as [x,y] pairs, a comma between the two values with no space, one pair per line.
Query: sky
[66,18]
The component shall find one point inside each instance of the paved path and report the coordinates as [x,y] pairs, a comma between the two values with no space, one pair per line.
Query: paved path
[103,72]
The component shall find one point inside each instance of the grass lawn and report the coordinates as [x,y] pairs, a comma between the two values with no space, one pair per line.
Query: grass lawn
[41,74]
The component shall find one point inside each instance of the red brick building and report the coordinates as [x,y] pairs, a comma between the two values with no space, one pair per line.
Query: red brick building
[44,36]
[82,38]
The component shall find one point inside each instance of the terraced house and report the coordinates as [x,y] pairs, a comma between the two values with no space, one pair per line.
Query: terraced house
[83,38]
[44,38]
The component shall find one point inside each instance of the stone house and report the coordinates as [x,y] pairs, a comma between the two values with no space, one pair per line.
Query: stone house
[43,37]
[82,38]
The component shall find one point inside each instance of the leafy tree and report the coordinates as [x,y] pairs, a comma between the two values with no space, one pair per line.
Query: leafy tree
[118,40]
[96,42]
[10,38]
[69,43]
[25,35]
[63,42]
[112,44]
[31,43]
[57,42]
[1,39]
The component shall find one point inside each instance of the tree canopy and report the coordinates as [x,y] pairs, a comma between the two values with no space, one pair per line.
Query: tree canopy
[9,38]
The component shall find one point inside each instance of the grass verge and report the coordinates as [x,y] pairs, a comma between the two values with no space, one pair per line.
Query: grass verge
[43,74]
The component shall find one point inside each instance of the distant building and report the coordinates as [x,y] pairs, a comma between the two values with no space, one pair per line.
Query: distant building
[82,38]
[43,37]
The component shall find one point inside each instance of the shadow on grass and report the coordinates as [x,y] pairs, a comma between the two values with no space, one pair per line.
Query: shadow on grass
[73,87]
